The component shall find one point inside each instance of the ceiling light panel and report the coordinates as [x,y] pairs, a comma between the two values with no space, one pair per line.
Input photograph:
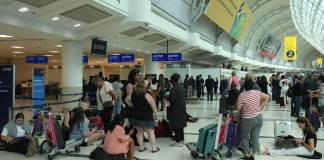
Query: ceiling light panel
[37,3]
[5,36]
[135,31]
[308,17]
[153,38]
[87,14]
[17,47]
[23,9]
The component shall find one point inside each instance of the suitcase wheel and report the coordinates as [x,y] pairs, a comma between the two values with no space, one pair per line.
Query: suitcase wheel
[77,149]
[194,154]
[49,157]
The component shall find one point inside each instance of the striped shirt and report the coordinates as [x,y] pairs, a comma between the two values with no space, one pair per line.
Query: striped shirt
[250,103]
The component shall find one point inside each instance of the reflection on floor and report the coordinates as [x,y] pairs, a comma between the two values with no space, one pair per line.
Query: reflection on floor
[207,112]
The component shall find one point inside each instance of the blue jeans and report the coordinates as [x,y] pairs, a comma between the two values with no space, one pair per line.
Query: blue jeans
[297,104]
[118,105]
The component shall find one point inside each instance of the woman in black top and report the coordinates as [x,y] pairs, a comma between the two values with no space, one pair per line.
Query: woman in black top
[178,117]
[263,84]
[145,115]
[306,146]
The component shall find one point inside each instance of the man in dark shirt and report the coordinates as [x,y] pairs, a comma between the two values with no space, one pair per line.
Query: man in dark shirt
[215,87]
[209,83]
[223,84]
[298,92]
[310,85]
[160,92]
[198,86]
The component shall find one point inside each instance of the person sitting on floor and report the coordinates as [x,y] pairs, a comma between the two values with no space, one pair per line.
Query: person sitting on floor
[116,141]
[95,121]
[18,137]
[306,146]
[79,129]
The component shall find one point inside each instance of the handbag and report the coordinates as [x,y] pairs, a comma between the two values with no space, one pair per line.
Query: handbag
[285,142]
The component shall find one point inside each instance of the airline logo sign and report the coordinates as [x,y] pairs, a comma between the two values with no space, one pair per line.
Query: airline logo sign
[290,49]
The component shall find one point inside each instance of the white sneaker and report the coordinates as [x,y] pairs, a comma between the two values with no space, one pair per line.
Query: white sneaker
[174,143]
[180,144]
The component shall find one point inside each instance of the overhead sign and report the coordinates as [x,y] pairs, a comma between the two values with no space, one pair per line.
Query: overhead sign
[290,49]
[121,58]
[38,89]
[98,47]
[7,92]
[167,57]
[85,59]
[319,61]
[234,16]
[36,59]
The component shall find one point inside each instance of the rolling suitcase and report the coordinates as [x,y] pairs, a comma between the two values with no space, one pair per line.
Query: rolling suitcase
[233,134]
[206,139]
[282,128]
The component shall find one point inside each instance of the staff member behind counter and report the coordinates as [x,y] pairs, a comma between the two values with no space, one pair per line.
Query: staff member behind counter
[18,137]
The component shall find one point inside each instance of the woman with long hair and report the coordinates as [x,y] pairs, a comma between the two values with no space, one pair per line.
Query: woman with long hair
[79,129]
[306,146]
[145,115]
[117,142]
[250,104]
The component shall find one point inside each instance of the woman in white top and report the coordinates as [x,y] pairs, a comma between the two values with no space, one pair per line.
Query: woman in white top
[18,137]
[284,88]
[105,100]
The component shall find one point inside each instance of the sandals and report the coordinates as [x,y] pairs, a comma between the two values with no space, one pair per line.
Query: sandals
[142,150]
[157,149]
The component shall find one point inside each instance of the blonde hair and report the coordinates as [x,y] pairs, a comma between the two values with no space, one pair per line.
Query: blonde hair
[139,87]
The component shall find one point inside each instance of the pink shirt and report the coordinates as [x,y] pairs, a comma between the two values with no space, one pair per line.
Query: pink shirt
[116,142]
[250,103]
[234,81]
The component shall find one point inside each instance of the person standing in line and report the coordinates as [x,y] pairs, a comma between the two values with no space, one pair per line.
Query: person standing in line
[216,87]
[186,84]
[134,76]
[202,84]
[284,88]
[178,117]
[320,94]
[209,83]
[223,84]
[198,86]
[298,91]
[117,89]
[105,100]
[234,80]
[145,116]
[264,85]
[160,92]
[250,104]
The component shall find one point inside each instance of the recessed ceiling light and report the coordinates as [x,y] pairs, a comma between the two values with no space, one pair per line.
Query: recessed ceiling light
[23,9]
[4,36]
[17,47]
[55,18]
[59,46]
[18,52]
[91,66]
[48,55]
[77,25]
[53,51]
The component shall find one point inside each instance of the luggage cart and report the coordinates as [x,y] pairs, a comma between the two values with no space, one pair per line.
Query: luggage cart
[54,144]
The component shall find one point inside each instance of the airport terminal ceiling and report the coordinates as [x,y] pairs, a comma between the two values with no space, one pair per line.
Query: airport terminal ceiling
[273,18]
[270,20]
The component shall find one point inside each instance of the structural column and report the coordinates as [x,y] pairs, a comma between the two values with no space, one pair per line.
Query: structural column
[72,72]
[151,67]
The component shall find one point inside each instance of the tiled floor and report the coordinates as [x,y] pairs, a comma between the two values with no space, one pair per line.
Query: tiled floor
[207,112]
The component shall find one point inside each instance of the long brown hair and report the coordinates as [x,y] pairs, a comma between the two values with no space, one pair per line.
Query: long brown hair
[308,125]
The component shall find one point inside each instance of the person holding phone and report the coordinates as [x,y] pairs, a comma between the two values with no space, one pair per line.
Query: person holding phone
[306,146]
